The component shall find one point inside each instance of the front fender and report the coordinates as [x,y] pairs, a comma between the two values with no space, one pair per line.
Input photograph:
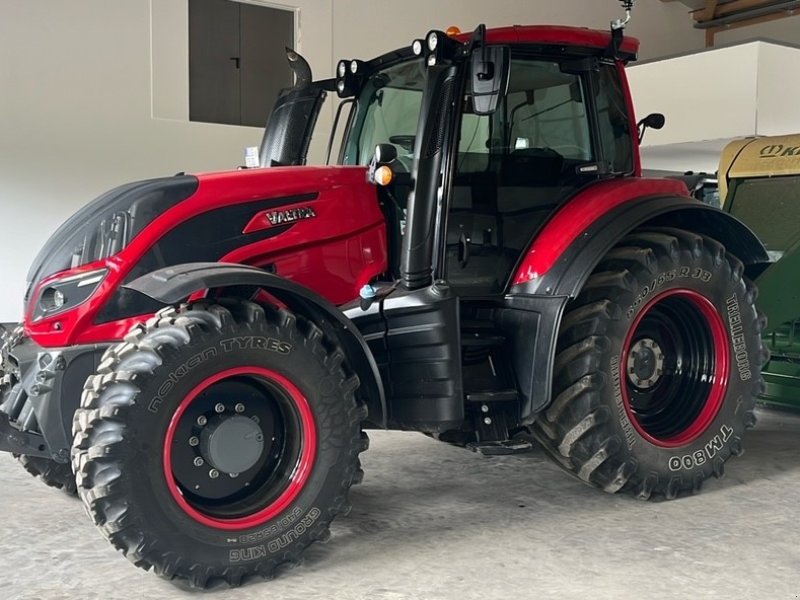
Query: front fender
[174,284]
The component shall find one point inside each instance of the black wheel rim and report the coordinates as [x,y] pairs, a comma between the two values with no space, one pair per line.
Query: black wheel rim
[239,448]
[674,367]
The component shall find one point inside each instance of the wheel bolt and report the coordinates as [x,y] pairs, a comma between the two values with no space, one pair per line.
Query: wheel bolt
[488,420]
[233,475]
[201,420]
[220,408]
[198,461]
[485,408]
[194,441]
[213,473]
[256,420]
[239,408]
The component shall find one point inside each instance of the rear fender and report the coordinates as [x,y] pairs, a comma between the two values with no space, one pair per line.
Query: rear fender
[174,284]
[568,274]
[572,268]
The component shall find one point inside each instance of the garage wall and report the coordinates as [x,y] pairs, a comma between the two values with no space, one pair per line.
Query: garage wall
[82,111]
[364,27]
[93,93]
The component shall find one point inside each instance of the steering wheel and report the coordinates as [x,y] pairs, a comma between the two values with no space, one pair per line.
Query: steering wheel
[581,152]
[406,142]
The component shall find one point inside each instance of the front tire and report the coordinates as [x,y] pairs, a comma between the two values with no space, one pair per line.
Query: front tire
[657,368]
[51,473]
[216,443]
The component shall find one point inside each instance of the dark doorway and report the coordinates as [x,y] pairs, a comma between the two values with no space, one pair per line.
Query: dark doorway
[237,62]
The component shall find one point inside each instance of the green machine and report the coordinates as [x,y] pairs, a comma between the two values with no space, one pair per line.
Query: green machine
[759,180]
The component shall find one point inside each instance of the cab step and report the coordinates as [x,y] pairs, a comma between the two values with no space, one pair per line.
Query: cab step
[501,448]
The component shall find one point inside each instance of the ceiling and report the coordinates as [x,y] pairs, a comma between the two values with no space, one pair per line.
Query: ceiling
[721,15]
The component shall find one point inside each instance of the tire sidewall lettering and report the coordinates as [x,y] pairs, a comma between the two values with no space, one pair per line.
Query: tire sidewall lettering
[705,278]
[219,353]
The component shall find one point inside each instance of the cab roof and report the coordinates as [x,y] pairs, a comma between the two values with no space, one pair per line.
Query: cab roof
[555,35]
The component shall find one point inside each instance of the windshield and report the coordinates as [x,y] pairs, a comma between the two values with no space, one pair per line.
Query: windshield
[387,111]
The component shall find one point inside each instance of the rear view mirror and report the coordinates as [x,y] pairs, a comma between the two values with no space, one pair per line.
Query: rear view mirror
[652,121]
[490,69]
[384,154]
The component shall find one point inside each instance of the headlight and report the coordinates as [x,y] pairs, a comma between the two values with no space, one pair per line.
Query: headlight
[433,41]
[69,292]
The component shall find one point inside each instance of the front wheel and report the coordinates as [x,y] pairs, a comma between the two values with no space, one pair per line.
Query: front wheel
[218,442]
[657,368]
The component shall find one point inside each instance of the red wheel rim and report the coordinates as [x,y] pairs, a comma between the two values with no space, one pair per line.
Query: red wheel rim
[711,376]
[300,472]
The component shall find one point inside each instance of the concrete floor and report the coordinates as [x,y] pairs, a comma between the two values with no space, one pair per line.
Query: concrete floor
[435,522]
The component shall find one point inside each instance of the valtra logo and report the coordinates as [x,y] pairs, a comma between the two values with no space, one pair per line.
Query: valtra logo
[279,217]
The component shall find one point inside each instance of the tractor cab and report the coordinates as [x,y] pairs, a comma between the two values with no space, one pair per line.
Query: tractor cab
[494,131]
[473,143]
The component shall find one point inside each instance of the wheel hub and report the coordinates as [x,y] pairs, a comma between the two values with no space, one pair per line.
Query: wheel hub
[645,363]
[232,444]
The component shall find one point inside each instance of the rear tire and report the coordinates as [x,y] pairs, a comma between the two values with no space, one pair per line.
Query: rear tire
[170,464]
[657,368]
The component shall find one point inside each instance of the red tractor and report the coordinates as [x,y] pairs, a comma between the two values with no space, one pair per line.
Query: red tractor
[483,259]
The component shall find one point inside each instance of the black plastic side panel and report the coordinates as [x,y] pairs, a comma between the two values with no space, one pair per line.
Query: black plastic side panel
[173,284]
[568,276]
[531,324]
[52,380]
[288,132]
[423,346]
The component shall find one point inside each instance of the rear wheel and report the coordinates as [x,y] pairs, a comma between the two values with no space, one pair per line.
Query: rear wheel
[658,367]
[218,442]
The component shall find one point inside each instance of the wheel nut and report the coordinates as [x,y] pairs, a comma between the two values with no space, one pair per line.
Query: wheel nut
[213,473]
[485,408]
[233,475]
[198,461]
[194,441]
[201,420]
[255,419]
[220,408]
[488,420]
[239,408]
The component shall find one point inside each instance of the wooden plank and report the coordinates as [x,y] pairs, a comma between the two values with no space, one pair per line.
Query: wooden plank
[710,11]
[746,23]
[728,8]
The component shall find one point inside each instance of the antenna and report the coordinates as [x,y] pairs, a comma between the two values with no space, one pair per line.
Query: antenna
[620,24]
